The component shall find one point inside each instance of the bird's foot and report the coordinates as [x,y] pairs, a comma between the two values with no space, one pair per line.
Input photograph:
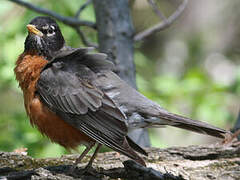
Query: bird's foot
[74,170]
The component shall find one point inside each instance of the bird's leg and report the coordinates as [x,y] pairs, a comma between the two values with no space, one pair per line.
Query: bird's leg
[79,159]
[93,157]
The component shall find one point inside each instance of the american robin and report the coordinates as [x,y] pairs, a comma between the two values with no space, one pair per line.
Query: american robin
[73,97]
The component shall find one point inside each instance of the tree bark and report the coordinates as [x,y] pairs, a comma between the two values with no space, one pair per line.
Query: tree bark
[193,162]
[115,37]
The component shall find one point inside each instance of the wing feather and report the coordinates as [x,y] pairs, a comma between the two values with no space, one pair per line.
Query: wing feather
[66,87]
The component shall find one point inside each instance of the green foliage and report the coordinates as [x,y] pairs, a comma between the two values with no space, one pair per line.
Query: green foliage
[204,99]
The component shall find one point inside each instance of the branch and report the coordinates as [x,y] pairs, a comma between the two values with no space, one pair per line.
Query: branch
[74,22]
[192,162]
[78,30]
[82,8]
[156,10]
[163,25]
[84,39]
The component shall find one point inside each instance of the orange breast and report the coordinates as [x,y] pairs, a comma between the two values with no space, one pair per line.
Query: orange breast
[27,70]
[54,127]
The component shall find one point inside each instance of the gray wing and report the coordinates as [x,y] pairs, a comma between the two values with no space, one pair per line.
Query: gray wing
[65,86]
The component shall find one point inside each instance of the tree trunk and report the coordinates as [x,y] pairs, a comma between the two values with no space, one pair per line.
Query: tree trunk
[237,126]
[193,162]
[115,37]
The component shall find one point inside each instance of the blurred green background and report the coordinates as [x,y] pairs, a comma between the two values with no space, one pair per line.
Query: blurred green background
[191,68]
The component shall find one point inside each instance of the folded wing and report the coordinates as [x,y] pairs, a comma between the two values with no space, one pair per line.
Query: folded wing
[66,87]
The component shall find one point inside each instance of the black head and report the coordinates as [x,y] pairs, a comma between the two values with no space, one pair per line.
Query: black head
[44,37]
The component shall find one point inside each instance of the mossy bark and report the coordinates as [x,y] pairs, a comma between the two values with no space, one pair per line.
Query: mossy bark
[193,162]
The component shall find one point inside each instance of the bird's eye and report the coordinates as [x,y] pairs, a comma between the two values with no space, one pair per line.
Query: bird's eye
[50,31]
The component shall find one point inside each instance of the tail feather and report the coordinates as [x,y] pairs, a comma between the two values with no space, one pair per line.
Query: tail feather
[129,147]
[136,147]
[192,125]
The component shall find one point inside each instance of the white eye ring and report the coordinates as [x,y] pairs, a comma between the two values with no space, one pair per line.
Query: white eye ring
[52,27]
[51,31]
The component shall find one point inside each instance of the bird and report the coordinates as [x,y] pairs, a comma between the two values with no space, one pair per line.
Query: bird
[72,96]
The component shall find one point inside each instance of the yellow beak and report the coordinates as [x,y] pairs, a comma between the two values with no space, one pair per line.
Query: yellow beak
[32,29]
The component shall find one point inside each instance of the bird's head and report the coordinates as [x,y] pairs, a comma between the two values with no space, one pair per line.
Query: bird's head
[44,37]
